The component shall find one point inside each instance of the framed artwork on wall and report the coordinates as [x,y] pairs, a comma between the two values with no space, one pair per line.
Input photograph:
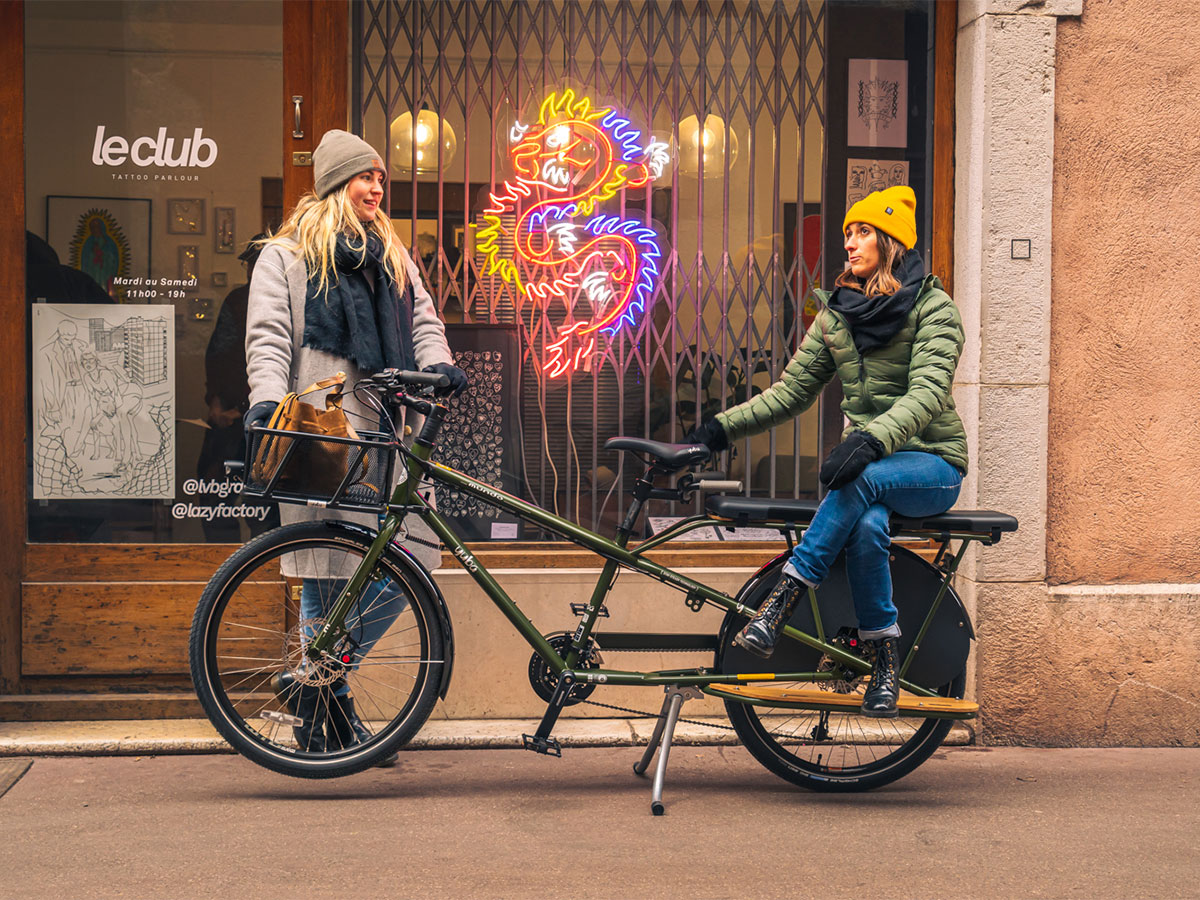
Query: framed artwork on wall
[185,216]
[864,176]
[224,234]
[107,238]
[878,96]
[189,263]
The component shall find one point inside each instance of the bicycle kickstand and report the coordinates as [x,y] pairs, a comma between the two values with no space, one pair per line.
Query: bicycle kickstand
[664,732]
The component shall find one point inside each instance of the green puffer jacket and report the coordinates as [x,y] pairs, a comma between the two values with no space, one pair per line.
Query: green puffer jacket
[899,393]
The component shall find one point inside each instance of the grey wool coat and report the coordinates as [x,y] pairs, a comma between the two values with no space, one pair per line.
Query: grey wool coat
[277,363]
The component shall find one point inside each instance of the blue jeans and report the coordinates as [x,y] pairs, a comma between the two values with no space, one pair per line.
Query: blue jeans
[856,517]
[381,603]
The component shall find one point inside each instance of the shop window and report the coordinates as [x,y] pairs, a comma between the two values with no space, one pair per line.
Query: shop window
[150,128]
[635,303]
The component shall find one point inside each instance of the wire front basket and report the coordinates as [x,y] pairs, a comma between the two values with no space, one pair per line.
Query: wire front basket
[321,470]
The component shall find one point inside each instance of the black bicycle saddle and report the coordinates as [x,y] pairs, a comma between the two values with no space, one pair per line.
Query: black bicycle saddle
[668,457]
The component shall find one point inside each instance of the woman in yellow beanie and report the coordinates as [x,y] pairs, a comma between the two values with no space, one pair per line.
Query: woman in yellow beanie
[893,337]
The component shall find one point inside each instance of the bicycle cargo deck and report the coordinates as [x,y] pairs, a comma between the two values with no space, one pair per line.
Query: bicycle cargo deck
[808,698]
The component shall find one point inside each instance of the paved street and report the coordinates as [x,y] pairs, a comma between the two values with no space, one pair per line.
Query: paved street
[498,823]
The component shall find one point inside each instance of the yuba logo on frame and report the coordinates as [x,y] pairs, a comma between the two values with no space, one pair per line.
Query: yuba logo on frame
[196,151]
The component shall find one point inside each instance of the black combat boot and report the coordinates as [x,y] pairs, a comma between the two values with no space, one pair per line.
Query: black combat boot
[345,729]
[879,701]
[761,633]
[306,702]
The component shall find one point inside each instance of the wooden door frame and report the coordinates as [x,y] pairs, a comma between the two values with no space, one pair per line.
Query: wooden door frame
[14,315]
[945,36]
[315,67]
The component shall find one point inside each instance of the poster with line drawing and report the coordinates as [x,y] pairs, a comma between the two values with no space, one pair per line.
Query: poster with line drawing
[878,114]
[103,401]
[865,176]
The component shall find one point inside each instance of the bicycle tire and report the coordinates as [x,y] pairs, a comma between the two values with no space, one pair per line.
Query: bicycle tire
[253,601]
[831,751]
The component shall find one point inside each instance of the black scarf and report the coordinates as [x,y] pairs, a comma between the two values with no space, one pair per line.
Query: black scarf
[371,327]
[874,321]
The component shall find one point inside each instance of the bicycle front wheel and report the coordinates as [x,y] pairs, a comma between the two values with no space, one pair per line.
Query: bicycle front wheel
[315,718]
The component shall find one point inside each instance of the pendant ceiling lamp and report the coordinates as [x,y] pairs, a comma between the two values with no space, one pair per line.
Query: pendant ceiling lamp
[420,144]
[714,144]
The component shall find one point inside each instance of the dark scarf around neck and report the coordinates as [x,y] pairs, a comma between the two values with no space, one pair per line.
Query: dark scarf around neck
[874,321]
[363,319]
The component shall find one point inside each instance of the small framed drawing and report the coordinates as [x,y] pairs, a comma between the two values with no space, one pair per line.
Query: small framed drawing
[189,264]
[218,279]
[223,229]
[185,217]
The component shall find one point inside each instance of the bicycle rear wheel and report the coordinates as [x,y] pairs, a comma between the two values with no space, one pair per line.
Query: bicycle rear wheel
[834,751]
[289,713]
[826,750]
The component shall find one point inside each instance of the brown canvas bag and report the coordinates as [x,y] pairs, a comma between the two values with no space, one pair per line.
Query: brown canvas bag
[316,467]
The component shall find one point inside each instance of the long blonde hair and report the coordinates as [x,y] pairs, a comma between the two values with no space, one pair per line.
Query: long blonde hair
[314,227]
[881,281]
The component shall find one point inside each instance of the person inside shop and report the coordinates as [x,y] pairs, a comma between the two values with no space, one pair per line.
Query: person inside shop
[46,278]
[227,396]
[334,290]
[893,337]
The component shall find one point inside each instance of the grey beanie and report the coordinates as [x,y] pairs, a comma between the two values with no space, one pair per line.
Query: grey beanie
[339,157]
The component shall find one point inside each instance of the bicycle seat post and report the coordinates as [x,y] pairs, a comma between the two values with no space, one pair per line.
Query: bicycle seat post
[641,493]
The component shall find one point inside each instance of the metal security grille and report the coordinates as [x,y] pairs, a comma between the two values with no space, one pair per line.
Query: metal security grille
[724,312]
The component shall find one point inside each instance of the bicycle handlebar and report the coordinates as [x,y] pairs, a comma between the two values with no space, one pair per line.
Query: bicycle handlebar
[396,378]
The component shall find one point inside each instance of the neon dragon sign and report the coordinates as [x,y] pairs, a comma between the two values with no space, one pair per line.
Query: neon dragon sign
[571,159]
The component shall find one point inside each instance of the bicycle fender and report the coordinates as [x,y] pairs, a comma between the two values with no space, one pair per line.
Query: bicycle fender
[407,563]
[915,582]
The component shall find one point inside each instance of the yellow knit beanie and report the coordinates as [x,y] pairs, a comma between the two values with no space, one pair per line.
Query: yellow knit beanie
[893,211]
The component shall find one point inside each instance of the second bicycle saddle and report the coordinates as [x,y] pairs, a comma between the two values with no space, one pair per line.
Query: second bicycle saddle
[668,457]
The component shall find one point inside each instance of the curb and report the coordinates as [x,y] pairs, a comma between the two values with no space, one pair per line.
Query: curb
[183,736]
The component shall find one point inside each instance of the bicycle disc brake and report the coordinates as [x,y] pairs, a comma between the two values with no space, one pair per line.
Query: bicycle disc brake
[847,638]
[307,671]
[544,679]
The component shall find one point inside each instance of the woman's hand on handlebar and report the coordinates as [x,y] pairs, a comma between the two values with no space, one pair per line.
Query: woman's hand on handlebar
[458,378]
[259,414]
[401,379]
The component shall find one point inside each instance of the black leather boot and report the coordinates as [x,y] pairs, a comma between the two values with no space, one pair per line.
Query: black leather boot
[761,633]
[344,728]
[879,701]
[306,702]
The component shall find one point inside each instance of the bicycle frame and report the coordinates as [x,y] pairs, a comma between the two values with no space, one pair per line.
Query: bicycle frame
[406,499]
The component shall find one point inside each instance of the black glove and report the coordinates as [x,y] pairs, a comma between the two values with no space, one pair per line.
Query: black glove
[458,378]
[847,460]
[710,434]
[259,414]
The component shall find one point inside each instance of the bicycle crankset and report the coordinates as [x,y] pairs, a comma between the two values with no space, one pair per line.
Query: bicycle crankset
[544,679]
[847,638]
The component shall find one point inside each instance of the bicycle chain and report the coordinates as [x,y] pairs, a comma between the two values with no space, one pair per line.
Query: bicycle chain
[648,715]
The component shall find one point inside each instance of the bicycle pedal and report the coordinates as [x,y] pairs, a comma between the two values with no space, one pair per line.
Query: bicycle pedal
[546,746]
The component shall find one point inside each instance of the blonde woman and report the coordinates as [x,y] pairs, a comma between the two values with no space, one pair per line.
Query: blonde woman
[335,291]
[893,337]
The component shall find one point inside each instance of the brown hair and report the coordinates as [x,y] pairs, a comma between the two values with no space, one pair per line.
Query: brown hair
[881,281]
